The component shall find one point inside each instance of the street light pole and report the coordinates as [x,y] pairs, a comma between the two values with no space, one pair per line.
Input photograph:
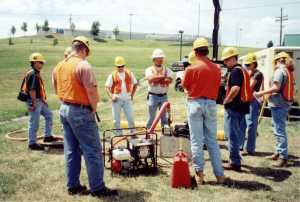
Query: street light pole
[130,24]
[180,52]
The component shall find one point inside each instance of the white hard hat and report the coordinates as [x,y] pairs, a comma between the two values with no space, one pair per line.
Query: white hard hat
[158,53]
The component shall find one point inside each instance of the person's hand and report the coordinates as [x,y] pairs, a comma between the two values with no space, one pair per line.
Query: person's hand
[258,94]
[226,101]
[31,108]
[114,98]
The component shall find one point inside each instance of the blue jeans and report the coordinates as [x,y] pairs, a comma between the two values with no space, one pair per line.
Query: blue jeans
[202,119]
[154,103]
[34,119]
[233,122]
[251,122]
[279,116]
[81,136]
[126,105]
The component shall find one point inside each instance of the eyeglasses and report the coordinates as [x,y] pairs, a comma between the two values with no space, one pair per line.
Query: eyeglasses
[41,62]
[247,65]
[120,66]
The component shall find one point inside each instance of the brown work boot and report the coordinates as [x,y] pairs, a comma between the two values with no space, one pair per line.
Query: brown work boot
[281,163]
[246,153]
[274,157]
[229,166]
[221,179]
[199,177]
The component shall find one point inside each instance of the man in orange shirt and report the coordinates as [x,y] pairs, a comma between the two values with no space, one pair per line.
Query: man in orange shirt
[201,82]
[76,87]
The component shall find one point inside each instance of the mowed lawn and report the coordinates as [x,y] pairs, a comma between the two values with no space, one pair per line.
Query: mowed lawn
[40,176]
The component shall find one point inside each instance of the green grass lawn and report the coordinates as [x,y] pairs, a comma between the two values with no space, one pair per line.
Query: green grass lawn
[40,176]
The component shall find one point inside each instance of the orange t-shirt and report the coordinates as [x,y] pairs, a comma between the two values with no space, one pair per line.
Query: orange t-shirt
[202,80]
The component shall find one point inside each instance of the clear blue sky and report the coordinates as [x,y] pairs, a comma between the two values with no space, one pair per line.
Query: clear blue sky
[243,22]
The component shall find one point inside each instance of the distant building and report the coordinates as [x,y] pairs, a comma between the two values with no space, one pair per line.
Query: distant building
[291,40]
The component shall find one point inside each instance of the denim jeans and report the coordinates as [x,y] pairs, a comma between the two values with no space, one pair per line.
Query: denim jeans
[279,116]
[250,122]
[154,103]
[34,119]
[81,136]
[126,105]
[202,119]
[233,122]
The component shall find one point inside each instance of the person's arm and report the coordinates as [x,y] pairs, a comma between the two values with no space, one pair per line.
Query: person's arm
[234,91]
[31,83]
[108,90]
[135,85]
[185,80]
[54,83]
[85,74]
[168,79]
[277,81]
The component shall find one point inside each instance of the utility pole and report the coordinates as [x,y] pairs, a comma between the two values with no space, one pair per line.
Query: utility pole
[180,51]
[198,35]
[130,24]
[281,19]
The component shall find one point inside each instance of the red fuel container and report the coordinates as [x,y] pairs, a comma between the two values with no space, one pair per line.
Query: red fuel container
[180,176]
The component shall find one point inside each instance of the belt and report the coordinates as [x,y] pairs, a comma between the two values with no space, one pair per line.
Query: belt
[78,105]
[159,95]
[204,98]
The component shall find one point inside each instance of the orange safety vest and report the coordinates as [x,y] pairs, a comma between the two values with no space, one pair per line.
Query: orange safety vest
[246,92]
[69,87]
[162,73]
[42,87]
[117,82]
[288,88]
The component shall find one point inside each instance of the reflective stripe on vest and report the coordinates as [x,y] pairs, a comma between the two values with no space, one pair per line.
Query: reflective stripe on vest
[288,89]
[246,92]
[69,87]
[117,82]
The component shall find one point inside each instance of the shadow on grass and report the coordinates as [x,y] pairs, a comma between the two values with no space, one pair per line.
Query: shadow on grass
[245,185]
[129,196]
[54,151]
[276,175]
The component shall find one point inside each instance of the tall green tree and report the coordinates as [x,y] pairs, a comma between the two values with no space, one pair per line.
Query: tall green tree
[24,27]
[37,28]
[13,30]
[116,32]
[95,29]
[46,27]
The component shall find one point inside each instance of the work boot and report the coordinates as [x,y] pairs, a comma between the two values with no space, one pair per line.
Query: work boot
[246,153]
[105,192]
[273,157]
[281,163]
[36,147]
[229,166]
[199,177]
[80,190]
[221,179]
[50,139]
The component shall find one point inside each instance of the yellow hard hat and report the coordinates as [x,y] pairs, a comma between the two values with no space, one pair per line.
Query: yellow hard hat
[36,57]
[119,61]
[192,58]
[200,43]
[68,50]
[229,52]
[250,58]
[83,40]
[281,55]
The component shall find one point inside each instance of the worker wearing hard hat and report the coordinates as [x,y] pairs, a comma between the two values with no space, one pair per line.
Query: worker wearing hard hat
[251,119]
[35,97]
[120,87]
[67,52]
[281,95]
[201,82]
[76,87]
[159,77]
[236,103]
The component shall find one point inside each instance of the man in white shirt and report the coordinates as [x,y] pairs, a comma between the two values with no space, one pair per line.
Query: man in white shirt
[159,77]
[120,87]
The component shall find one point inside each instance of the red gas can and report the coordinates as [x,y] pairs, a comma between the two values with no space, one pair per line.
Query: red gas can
[180,176]
[116,166]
